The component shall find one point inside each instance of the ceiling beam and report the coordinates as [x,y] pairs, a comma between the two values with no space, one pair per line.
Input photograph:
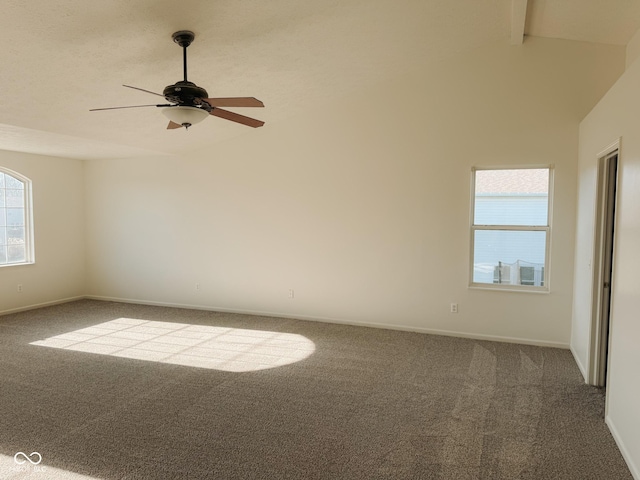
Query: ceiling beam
[518,18]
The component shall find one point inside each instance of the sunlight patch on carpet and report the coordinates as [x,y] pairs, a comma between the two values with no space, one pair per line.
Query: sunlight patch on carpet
[33,465]
[202,346]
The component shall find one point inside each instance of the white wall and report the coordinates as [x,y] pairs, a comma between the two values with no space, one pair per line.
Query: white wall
[361,207]
[616,116]
[58,215]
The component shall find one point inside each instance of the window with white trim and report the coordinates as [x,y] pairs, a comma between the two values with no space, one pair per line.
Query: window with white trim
[16,244]
[511,228]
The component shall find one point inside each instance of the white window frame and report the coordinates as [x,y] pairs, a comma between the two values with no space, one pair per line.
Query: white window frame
[545,288]
[28,219]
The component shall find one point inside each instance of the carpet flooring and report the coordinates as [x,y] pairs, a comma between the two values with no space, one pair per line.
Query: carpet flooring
[185,394]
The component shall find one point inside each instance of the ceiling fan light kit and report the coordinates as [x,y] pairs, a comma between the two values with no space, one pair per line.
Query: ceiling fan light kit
[189,103]
[185,116]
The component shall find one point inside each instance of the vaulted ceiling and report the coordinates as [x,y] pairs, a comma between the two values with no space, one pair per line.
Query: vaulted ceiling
[62,58]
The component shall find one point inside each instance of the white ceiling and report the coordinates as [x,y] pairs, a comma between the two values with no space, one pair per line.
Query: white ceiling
[61,58]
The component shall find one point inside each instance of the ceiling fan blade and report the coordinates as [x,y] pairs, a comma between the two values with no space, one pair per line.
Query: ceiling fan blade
[234,102]
[129,106]
[236,117]
[143,90]
[173,125]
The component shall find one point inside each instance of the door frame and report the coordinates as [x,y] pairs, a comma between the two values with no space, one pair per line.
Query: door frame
[603,254]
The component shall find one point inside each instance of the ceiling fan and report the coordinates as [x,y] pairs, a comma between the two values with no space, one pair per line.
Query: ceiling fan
[189,103]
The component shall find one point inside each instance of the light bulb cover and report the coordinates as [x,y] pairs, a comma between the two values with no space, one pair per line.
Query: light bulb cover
[185,116]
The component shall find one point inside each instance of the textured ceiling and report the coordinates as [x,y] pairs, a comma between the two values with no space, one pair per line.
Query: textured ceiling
[59,59]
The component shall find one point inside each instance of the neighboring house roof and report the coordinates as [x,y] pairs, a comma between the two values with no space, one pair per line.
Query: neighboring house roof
[520,181]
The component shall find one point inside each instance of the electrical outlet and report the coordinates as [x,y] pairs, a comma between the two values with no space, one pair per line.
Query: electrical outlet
[291,293]
[197,286]
[20,287]
[454,308]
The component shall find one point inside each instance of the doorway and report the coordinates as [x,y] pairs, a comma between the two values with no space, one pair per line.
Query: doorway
[603,266]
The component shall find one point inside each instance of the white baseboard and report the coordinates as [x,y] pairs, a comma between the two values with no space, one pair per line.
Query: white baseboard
[406,328]
[41,305]
[635,472]
[582,368]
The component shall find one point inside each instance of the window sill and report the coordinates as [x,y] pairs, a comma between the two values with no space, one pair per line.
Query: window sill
[22,264]
[510,288]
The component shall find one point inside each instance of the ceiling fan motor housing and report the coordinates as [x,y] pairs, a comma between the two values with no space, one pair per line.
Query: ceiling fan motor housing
[185,93]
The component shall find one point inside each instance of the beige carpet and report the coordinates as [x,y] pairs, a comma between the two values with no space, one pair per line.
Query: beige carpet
[113,391]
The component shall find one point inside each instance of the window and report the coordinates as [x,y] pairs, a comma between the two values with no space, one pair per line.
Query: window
[16,246]
[511,228]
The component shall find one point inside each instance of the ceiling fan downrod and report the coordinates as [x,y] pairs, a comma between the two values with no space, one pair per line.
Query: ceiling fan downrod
[184,92]
[184,39]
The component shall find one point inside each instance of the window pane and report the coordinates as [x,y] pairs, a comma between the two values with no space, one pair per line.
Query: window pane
[1,180]
[11,182]
[16,253]
[511,197]
[2,204]
[15,235]
[14,198]
[3,236]
[15,216]
[509,257]
[3,255]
